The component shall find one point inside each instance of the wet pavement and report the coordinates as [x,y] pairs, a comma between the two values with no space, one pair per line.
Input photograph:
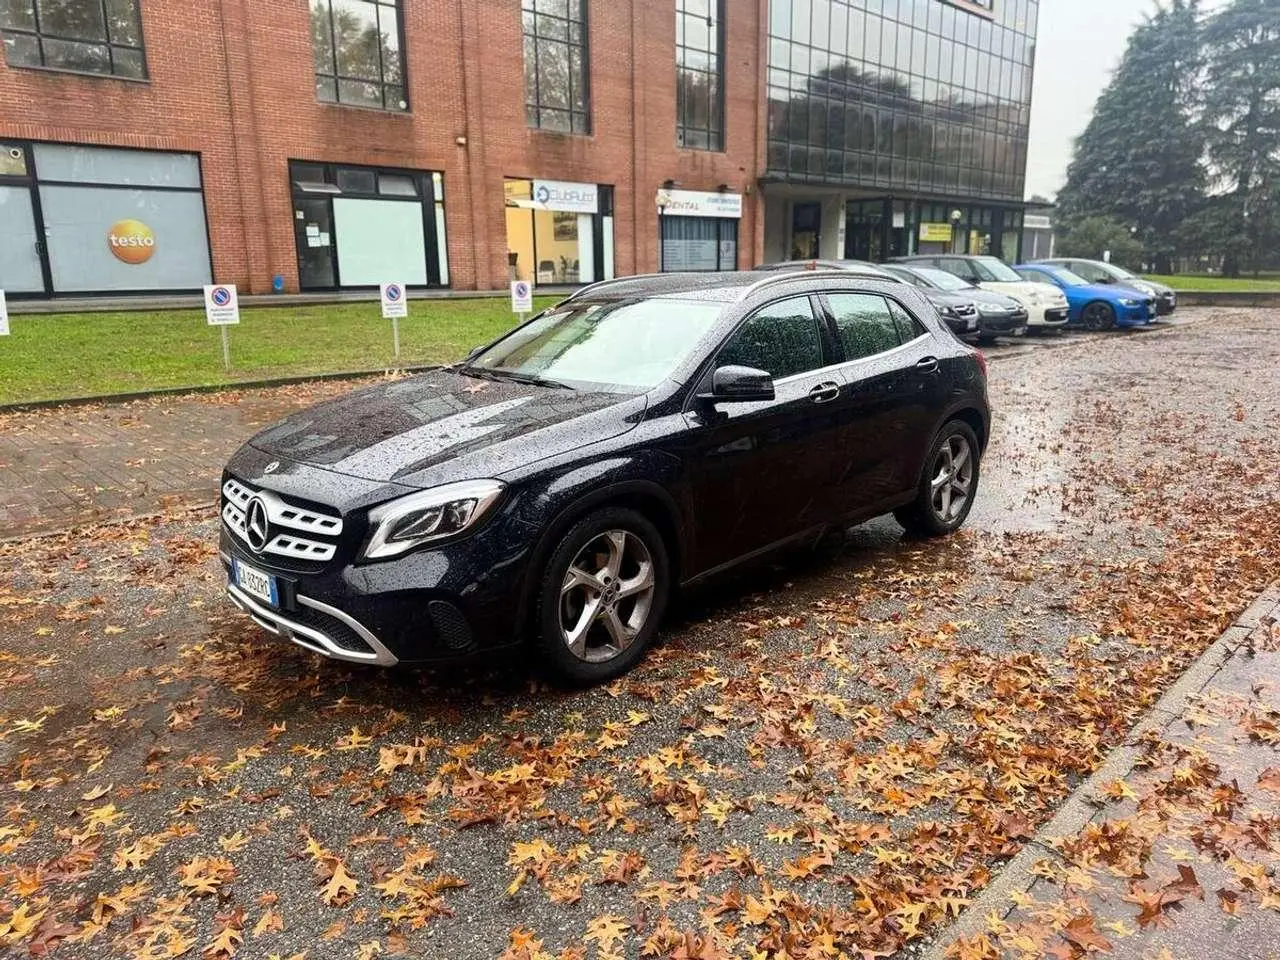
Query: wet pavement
[831,755]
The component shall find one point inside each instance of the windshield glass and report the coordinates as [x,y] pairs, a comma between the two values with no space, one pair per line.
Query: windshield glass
[942,279]
[1120,272]
[994,270]
[632,345]
[1069,278]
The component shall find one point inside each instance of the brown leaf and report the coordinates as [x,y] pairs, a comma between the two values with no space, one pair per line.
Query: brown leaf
[341,886]
[1081,933]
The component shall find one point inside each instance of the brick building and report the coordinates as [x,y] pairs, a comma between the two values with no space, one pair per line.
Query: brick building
[156,145]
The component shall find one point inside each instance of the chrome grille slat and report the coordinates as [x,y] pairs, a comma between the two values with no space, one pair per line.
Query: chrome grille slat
[282,514]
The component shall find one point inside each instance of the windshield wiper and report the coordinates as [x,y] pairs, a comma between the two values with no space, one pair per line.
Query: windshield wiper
[510,376]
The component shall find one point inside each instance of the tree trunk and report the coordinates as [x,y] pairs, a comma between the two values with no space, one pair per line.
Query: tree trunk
[1164,265]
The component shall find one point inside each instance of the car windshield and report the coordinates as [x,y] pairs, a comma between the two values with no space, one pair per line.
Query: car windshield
[994,270]
[629,346]
[943,280]
[1120,273]
[1068,278]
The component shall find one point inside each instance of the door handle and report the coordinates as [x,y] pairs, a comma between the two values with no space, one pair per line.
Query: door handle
[825,392]
[928,364]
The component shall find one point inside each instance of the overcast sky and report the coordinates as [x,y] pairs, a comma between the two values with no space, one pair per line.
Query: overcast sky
[1079,44]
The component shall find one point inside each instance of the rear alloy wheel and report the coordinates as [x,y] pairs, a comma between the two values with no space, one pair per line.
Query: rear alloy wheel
[603,593]
[1098,316]
[948,485]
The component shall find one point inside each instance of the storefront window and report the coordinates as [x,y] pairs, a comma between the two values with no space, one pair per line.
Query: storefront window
[108,220]
[699,244]
[558,232]
[362,226]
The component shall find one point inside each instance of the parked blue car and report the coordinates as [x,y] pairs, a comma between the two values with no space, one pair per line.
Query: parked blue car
[1094,306]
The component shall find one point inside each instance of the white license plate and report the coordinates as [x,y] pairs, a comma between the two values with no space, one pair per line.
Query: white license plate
[259,585]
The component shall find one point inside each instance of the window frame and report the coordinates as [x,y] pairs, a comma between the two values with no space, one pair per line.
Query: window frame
[39,35]
[382,83]
[832,353]
[824,297]
[532,98]
[716,114]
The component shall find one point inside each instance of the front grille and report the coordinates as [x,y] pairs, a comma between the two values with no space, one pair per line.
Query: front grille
[451,624]
[293,530]
[966,310]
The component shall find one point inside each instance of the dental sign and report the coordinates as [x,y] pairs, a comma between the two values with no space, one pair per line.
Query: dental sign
[695,203]
[565,197]
[131,241]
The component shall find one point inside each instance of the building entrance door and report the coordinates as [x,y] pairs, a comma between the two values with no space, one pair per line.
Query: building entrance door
[806,231]
[864,231]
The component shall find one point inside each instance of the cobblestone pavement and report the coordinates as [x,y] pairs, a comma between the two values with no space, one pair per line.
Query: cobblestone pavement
[63,466]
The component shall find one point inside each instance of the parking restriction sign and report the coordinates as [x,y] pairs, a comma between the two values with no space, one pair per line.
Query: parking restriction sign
[394,303]
[521,296]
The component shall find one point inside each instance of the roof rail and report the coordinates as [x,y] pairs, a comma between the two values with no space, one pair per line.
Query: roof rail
[600,283]
[801,274]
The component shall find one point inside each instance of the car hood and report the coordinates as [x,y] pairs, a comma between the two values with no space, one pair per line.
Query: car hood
[441,426]
[941,298]
[1108,292]
[1025,291]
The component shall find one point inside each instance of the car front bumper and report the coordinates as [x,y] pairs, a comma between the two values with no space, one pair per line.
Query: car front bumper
[1002,324]
[446,603]
[1040,316]
[1166,303]
[1134,316]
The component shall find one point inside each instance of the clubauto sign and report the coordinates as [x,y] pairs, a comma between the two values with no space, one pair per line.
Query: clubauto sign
[566,197]
[131,241]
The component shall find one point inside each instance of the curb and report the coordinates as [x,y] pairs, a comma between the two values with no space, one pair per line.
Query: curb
[1079,808]
[23,406]
[179,513]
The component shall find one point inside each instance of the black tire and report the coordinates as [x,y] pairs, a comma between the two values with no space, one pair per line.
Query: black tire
[551,646]
[922,517]
[1098,316]
[986,340]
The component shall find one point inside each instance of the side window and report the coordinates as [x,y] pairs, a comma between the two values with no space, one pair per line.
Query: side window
[782,339]
[866,325]
[1034,275]
[908,326]
[1088,271]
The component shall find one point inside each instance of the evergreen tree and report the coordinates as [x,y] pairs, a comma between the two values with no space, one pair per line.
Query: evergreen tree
[1241,104]
[1139,161]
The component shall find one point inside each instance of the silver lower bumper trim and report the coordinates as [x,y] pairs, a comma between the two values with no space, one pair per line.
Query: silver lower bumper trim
[312,639]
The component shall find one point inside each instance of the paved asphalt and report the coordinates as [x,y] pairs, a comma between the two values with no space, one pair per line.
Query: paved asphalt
[827,756]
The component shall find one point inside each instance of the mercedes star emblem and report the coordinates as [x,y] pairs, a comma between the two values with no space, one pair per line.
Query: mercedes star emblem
[256,528]
[271,467]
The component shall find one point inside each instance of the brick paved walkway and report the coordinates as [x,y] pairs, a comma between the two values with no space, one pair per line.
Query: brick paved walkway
[67,465]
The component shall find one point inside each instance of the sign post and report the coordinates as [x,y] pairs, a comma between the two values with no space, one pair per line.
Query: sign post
[222,309]
[521,298]
[4,316]
[394,306]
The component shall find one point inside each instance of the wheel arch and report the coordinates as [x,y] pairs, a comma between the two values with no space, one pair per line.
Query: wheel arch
[650,499]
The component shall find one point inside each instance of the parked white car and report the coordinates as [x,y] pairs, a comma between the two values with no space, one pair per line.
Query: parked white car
[1046,304]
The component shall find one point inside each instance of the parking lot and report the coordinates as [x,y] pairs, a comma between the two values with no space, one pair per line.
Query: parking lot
[828,755]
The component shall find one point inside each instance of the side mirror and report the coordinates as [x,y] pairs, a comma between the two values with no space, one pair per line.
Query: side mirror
[739,385]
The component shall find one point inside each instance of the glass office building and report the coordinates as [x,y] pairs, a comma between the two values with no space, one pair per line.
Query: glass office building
[897,126]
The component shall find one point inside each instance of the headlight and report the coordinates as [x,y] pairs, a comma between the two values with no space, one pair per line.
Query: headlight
[1130,302]
[946,310]
[402,525]
[1146,288]
[993,308]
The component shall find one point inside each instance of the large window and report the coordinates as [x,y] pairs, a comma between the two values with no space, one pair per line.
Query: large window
[362,226]
[782,339]
[559,233]
[699,244]
[699,74]
[556,92]
[358,53]
[88,36]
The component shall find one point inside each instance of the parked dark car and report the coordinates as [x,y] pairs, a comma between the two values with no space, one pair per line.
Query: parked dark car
[1098,271]
[1045,304]
[998,315]
[558,485]
[959,313]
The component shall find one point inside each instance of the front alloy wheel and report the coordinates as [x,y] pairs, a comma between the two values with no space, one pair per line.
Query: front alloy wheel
[952,482]
[606,596]
[602,594]
[1098,317]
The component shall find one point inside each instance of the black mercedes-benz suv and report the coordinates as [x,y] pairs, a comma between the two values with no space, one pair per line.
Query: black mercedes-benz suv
[559,484]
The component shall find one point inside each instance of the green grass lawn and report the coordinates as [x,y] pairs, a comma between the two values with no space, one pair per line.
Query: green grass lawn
[1205,283]
[55,356]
